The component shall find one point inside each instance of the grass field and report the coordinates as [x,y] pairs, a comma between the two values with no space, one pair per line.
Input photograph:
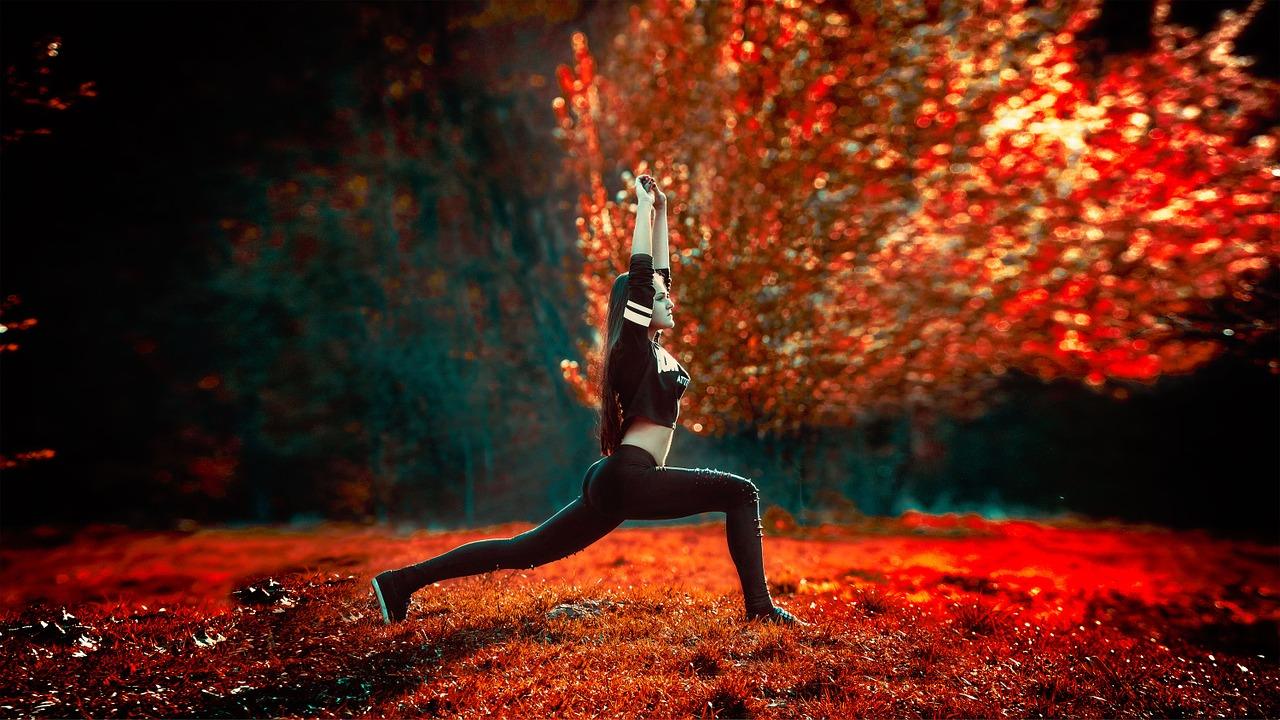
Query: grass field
[917,616]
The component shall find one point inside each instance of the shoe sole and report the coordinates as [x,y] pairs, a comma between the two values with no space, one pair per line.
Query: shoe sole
[763,619]
[386,616]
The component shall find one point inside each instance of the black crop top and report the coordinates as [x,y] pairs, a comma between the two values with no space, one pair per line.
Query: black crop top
[648,379]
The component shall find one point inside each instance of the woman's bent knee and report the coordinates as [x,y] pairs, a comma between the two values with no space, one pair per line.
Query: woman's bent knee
[740,490]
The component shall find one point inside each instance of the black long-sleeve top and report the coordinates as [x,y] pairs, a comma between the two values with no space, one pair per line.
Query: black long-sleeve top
[648,379]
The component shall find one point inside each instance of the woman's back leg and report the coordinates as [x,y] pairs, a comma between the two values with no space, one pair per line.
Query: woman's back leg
[573,528]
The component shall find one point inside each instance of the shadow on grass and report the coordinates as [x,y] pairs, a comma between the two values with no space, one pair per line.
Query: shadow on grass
[367,677]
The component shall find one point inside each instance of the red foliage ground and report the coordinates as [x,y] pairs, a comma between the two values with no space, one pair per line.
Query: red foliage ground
[917,616]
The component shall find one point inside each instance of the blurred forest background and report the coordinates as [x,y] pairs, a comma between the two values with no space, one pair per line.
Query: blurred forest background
[291,262]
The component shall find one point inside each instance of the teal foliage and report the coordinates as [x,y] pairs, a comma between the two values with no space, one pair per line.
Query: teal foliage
[399,311]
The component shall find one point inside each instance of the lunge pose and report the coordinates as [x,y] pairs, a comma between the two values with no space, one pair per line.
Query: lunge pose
[640,392]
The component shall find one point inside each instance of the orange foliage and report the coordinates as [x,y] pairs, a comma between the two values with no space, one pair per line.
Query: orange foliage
[874,210]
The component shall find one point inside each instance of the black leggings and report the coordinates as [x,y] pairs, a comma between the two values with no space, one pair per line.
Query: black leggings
[627,485]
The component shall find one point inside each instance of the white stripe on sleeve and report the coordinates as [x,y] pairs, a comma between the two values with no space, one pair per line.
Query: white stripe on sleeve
[635,317]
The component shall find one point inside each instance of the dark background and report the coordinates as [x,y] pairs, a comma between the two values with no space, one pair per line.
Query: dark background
[105,237]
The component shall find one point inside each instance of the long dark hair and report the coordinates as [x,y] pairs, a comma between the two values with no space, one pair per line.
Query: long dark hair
[610,403]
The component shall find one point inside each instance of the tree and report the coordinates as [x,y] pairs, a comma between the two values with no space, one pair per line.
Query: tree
[385,298]
[876,211]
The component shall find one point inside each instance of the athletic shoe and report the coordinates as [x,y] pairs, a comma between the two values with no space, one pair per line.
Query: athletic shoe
[392,596]
[779,616]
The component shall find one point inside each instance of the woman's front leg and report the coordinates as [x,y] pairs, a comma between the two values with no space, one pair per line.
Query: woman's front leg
[665,493]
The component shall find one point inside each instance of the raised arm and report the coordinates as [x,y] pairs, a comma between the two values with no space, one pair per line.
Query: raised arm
[642,235]
[661,255]
[633,345]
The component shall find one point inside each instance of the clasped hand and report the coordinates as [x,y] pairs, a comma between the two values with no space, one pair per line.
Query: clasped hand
[648,194]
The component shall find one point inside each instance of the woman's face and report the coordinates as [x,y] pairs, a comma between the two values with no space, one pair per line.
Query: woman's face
[663,308]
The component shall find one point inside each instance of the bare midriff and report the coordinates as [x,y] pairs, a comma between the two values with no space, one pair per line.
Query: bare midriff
[655,438]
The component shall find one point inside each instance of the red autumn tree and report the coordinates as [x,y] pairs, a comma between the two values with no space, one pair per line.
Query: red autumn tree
[877,211]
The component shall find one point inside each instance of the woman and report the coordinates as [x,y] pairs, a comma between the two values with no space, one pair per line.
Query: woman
[640,394]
